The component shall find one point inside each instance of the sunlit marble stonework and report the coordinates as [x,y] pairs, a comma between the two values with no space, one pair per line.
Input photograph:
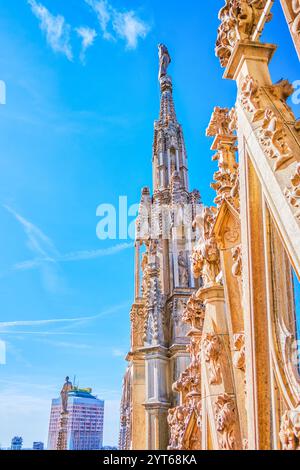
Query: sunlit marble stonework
[239,388]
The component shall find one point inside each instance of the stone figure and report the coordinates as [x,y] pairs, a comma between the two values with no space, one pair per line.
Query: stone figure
[183,270]
[67,387]
[164,61]
[206,255]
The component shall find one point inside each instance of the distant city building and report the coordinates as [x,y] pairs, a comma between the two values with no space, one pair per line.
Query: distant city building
[38,446]
[109,448]
[16,443]
[85,421]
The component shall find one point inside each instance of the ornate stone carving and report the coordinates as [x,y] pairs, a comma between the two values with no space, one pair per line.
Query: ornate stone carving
[293,191]
[137,318]
[194,312]
[227,176]
[179,419]
[272,137]
[232,234]
[239,19]
[281,91]
[250,97]
[190,379]
[153,298]
[206,255]
[222,126]
[189,387]
[225,419]
[237,261]
[239,358]
[212,349]
[233,125]
[222,122]
[176,420]
[290,430]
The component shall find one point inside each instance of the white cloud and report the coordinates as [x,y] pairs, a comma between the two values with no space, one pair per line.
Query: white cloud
[103,11]
[126,25]
[130,28]
[114,24]
[81,255]
[33,323]
[88,36]
[37,242]
[92,254]
[43,247]
[48,257]
[67,344]
[56,28]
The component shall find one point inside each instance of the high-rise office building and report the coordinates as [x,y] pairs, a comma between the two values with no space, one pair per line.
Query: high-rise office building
[85,421]
[16,443]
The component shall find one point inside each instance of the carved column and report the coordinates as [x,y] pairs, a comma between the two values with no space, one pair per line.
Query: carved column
[138,392]
[227,231]
[221,417]
[217,374]
[185,421]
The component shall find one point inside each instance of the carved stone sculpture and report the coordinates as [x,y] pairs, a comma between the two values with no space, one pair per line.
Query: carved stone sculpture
[212,348]
[225,420]
[220,123]
[250,97]
[293,191]
[290,430]
[206,255]
[138,318]
[239,358]
[179,419]
[237,261]
[183,270]
[164,60]
[190,379]
[176,421]
[223,124]
[194,312]
[273,138]
[67,387]
[239,19]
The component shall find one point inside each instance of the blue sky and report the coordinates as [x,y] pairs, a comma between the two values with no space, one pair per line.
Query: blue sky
[76,132]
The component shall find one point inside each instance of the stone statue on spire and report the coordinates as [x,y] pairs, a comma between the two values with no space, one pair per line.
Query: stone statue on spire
[164,60]
[67,387]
